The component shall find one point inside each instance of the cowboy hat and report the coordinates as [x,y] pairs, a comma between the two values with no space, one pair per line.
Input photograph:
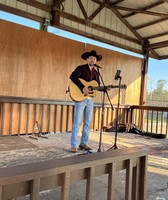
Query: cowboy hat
[91,53]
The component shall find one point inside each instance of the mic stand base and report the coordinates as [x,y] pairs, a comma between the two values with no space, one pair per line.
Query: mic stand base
[116,131]
[102,115]
[101,128]
[112,148]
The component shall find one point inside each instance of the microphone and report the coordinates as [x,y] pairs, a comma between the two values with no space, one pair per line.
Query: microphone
[117,75]
[97,66]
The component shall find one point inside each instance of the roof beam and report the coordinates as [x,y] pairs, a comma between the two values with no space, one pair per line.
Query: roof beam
[156,35]
[115,11]
[36,4]
[97,38]
[163,57]
[98,27]
[96,11]
[139,11]
[82,9]
[93,14]
[150,23]
[157,45]
[21,13]
[118,1]
[145,8]
[153,53]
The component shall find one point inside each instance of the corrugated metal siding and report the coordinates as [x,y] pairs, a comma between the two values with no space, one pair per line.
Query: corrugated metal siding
[154,29]
[162,51]
[88,30]
[105,18]
[139,19]
[136,3]
[27,8]
[21,6]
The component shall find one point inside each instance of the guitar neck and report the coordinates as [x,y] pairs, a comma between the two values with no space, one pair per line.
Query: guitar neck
[101,88]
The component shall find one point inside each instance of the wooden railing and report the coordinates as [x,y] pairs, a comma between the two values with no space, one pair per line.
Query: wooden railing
[150,119]
[30,179]
[18,116]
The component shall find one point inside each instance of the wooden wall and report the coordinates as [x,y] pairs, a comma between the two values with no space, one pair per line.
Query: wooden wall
[37,64]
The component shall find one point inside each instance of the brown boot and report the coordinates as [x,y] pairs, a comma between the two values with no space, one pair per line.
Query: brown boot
[74,149]
[84,147]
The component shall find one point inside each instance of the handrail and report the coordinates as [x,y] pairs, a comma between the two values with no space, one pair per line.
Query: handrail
[156,108]
[18,116]
[35,177]
[151,119]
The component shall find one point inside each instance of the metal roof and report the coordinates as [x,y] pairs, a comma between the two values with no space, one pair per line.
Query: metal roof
[137,26]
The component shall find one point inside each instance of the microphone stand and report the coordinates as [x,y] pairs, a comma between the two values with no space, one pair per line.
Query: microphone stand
[118,105]
[102,116]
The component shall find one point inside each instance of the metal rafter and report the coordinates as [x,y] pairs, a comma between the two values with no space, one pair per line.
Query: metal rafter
[157,45]
[91,17]
[156,35]
[100,39]
[36,4]
[19,12]
[82,9]
[145,8]
[96,12]
[150,23]
[98,27]
[139,11]
[115,11]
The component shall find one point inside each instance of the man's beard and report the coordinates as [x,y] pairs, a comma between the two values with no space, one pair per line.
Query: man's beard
[91,64]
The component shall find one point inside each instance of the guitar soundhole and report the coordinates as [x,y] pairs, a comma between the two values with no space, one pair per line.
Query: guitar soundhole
[90,88]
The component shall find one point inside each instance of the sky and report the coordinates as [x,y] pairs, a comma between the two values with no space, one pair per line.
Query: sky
[157,69]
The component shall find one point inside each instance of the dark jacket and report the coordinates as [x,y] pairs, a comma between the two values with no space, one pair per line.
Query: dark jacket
[83,71]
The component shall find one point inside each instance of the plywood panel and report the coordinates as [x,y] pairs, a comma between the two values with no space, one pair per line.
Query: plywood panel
[34,63]
[130,71]
[38,64]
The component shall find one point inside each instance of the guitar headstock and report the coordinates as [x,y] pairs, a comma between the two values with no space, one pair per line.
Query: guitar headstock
[123,86]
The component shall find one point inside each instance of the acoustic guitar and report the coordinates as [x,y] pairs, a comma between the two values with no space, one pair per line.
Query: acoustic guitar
[76,94]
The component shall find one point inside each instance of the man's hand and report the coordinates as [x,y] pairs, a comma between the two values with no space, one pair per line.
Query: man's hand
[86,91]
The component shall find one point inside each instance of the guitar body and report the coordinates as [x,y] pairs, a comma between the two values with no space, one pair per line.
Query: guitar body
[76,94]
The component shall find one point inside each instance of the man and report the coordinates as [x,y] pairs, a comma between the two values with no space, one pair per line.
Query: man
[87,72]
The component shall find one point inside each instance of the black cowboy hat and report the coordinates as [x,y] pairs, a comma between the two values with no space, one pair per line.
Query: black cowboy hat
[91,53]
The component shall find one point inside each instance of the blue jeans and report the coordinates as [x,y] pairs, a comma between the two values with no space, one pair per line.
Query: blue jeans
[82,108]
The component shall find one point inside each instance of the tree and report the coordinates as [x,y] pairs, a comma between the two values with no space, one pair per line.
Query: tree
[159,96]
[160,86]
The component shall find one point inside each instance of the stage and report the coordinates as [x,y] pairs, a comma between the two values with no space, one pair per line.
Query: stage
[17,150]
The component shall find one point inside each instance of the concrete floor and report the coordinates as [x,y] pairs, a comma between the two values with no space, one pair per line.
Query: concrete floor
[16,150]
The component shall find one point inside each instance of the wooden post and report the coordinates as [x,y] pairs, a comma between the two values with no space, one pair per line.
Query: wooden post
[35,189]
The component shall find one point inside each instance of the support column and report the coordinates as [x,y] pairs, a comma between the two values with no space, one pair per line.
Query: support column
[144,74]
